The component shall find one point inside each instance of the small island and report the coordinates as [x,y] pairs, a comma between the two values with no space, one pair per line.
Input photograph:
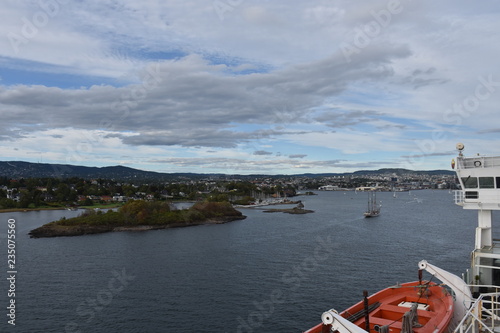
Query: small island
[299,209]
[294,210]
[138,215]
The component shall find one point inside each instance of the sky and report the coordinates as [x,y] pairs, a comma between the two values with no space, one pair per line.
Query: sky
[249,86]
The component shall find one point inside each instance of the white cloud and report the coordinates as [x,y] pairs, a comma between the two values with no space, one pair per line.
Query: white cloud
[269,77]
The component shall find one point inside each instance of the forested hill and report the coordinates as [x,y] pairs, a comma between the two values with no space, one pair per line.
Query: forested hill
[17,169]
[42,170]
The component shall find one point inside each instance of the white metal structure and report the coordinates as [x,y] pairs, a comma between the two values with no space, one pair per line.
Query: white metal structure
[340,324]
[479,177]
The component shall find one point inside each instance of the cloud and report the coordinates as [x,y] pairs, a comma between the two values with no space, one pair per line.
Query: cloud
[189,101]
[340,119]
[262,152]
[448,153]
[260,166]
[175,77]
[489,131]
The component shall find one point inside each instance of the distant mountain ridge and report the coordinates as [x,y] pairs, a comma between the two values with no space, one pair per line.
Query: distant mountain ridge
[399,172]
[19,169]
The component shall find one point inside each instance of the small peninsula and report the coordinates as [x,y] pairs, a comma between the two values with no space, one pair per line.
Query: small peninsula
[138,215]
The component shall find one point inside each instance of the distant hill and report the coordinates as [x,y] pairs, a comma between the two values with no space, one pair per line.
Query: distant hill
[400,172]
[18,169]
[386,171]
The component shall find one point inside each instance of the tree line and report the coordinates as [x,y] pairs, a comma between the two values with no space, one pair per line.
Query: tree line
[57,192]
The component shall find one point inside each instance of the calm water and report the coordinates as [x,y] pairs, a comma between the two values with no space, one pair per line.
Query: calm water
[272,272]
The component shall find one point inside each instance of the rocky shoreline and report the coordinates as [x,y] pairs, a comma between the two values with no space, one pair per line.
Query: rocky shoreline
[55,230]
[289,211]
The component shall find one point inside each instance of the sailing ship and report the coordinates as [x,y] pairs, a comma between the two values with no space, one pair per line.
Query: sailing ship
[426,307]
[373,206]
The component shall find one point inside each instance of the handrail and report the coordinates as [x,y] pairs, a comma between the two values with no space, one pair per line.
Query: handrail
[459,197]
[485,308]
[477,196]
[478,162]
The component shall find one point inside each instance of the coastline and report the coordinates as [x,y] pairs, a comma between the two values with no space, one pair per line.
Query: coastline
[17,210]
[54,230]
[289,211]
[145,227]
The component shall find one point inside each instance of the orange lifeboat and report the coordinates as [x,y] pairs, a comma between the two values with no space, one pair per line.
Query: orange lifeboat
[389,309]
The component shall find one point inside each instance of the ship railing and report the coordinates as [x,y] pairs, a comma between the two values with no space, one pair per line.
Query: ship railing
[483,315]
[459,197]
[478,162]
[477,196]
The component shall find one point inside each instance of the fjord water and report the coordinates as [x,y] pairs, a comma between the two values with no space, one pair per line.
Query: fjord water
[272,272]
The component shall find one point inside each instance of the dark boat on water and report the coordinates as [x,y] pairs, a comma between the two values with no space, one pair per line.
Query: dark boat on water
[373,207]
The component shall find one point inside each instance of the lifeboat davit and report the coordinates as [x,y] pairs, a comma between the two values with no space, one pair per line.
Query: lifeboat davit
[419,307]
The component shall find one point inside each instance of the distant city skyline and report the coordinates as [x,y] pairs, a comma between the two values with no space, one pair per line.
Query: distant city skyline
[249,87]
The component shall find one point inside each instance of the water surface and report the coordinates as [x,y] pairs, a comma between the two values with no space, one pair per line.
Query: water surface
[272,272]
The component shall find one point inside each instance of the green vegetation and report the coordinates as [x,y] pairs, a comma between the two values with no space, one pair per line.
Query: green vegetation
[136,213]
[294,210]
[101,206]
[66,191]
[43,193]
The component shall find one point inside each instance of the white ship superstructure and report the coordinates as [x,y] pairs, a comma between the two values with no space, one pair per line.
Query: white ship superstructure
[479,177]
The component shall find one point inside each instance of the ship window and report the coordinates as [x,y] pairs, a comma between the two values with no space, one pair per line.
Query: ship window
[471,195]
[470,182]
[498,182]
[486,182]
